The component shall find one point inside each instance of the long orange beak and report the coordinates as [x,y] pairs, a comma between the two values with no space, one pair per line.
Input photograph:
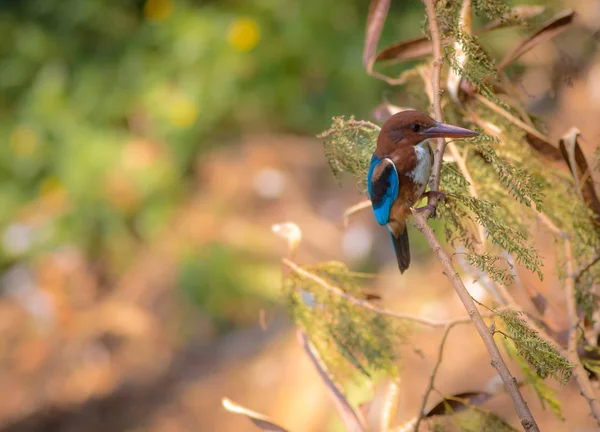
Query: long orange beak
[442,130]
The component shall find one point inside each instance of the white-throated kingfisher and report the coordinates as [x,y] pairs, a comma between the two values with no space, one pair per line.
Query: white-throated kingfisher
[400,170]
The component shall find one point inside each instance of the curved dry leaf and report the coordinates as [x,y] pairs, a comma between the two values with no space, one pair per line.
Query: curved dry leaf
[390,405]
[411,49]
[549,30]
[544,146]
[573,155]
[419,47]
[260,420]
[458,402]
[378,10]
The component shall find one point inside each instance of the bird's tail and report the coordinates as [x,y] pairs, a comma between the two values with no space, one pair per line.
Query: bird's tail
[402,249]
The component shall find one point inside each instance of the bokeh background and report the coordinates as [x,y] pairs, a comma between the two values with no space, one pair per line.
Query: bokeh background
[147,148]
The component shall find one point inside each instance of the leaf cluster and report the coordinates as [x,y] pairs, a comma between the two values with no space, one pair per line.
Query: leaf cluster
[348,145]
[523,185]
[487,263]
[508,238]
[545,393]
[349,337]
[540,354]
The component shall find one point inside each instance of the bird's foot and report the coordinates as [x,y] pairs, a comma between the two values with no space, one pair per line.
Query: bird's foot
[427,207]
[438,194]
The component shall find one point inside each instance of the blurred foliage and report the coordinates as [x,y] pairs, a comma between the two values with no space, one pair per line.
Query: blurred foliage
[349,337]
[105,107]
[227,286]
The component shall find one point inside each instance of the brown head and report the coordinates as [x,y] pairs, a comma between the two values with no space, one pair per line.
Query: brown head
[409,128]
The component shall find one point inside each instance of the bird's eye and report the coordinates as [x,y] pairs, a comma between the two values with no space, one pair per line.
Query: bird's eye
[415,127]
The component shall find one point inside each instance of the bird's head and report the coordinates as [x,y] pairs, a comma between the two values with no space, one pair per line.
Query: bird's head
[409,128]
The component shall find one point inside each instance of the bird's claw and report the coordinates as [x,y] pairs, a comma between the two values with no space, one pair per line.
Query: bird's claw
[438,194]
[425,208]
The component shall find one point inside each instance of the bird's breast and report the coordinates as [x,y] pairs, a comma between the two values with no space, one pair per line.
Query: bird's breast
[422,170]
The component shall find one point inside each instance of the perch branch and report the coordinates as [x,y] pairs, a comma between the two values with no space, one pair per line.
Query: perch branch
[527,420]
[587,391]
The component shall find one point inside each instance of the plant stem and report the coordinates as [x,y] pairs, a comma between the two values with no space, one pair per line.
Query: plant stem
[581,377]
[521,408]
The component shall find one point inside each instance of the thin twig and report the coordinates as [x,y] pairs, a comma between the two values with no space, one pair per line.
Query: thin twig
[350,211]
[433,375]
[368,305]
[436,74]
[585,267]
[581,377]
[511,117]
[353,420]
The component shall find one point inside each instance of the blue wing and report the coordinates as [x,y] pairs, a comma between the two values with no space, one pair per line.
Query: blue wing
[383,187]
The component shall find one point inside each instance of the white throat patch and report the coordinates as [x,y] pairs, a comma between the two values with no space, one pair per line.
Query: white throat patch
[420,175]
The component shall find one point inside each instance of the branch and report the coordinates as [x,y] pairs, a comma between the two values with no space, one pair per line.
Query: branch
[527,420]
[433,375]
[353,420]
[585,267]
[351,211]
[587,391]
[366,304]
[436,73]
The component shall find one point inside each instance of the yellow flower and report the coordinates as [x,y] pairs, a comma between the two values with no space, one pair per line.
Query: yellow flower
[182,112]
[158,10]
[243,34]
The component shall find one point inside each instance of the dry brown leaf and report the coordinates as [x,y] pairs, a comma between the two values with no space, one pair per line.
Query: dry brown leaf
[411,49]
[458,402]
[419,47]
[549,30]
[378,10]
[575,158]
[260,420]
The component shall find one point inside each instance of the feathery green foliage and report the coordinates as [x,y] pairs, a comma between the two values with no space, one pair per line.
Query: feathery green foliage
[350,337]
[348,147]
[456,219]
[491,9]
[488,264]
[525,187]
[508,238]
[545,393]
[539,353]
[478,67]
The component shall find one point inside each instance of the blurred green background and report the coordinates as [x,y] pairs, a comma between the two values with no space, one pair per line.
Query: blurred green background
[106,107]
[148,147]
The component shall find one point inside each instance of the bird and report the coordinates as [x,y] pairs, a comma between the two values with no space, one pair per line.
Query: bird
[399,172]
